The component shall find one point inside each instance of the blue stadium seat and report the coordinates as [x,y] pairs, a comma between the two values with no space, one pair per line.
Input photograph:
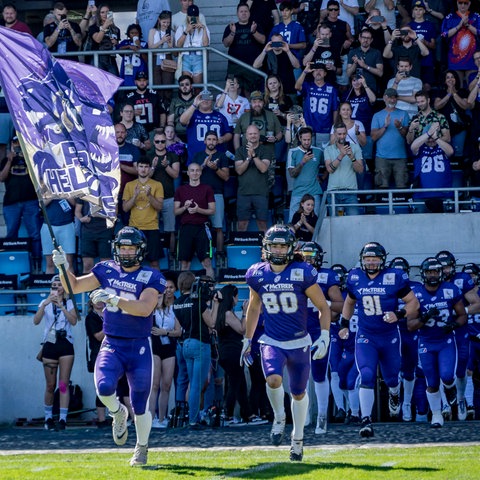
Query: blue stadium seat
[243,256]
[15,263]
[34,297]
[7,302]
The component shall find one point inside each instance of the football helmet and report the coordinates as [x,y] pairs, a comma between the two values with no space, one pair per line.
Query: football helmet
[128,236]
[279,235]
[312,253]
[342,272]
[372,249]
[474,270]
[400,263]
[431,271]
[447,259]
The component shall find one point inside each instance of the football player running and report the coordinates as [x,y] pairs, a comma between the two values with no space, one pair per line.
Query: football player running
[282,285]
[376,291]
[441,311]
[130,293]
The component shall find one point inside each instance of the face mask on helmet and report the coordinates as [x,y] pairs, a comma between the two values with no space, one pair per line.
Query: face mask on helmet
[127,237]
[372,258]
[279,235]
[448,263]
[400,263]
[312,253]
[431,272]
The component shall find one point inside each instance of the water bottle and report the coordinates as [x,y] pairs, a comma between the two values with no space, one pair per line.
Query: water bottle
[306,7]
[222,418]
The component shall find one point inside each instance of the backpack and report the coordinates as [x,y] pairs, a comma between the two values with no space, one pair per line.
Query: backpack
[75,406]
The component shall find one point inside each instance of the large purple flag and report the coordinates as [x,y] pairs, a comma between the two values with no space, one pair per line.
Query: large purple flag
[59,110]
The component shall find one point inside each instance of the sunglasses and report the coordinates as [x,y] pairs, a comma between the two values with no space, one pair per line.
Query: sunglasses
[160,141]
[333,9]
[185,84]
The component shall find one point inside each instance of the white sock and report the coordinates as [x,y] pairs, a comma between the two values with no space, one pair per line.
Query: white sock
[143,425]
[408,390]
[366,397]
[435,401]
[299,415]
[461,383]
[469,390]
[337,392]
[111,402]
[322,392]
[276,397]
[354,402]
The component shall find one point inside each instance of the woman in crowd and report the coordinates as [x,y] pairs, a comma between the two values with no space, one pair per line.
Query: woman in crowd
[57,353]
[230,103]
[165,330]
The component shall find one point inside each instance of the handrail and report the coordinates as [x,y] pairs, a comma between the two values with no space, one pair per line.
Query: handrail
[150,52]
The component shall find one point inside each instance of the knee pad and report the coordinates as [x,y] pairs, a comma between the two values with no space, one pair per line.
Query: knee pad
[105,388]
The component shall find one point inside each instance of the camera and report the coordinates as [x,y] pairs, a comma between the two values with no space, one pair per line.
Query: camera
[203,289]
[17,150]
[61,334]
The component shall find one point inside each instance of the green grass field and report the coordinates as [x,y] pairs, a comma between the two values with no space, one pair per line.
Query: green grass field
[352,463]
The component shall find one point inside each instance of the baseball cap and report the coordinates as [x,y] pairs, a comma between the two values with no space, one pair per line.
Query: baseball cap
[206,95]
[256,95]
[193,11]
[140,75]
[418,3]
[391,92]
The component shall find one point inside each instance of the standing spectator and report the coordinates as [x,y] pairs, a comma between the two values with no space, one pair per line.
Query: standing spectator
[136,133]
[244,40]
[230,103]
[264,13]
[179,104]
[192,33]
[341,31]
[441,311]
[147,104]
[355,128]
[11,20]
[57,353]
[60,214]
[160,36]
[348,10]
[130,301]
[20,202]
[199,118]
[105,36]
[425,30]
[308,15]
[320,103]
[451,101]
[215,172]
[406,87]
[274,284]
[378,338]
[461,29]
[143,198]
[304,164]
[194,203]
[95,237]
[406,44]
[343,161]
[251,164]
[166,328]
[148,12]
[166,169]
[278,59]
[133,63]
[386,9]
[389,127]
[366,61]
[62,36]
[95,335]
[378,26]
[432,168]
[178,19]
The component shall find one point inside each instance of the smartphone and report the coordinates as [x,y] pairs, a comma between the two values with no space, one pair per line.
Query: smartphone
[377,19]
[168,31]
[91,3]
[277,44]
[193,20]
[309,152]
[63,17]
[346,144]
[231,77]
[110,14]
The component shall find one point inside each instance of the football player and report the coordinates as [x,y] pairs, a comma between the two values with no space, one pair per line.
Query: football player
[329,282]
[376,290]
[282,285]
[441,312]
[472,301]
[130,293]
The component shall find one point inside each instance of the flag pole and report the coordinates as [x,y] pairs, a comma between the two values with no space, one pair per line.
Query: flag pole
[41,202]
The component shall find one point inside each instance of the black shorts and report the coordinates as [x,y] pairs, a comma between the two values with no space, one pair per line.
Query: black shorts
[61,348]
[96,244]
[163,350]
[193,239]
[154,245]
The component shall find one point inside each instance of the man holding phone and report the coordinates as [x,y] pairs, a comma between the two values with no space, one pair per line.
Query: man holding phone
[62,36]
[387,7]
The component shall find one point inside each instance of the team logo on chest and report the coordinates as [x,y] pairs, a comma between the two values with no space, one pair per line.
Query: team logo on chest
[296,275]
[144,276]
[389,279]
[277,278]
[448,293]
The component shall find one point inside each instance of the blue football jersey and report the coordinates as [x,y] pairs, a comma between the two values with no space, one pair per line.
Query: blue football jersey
[283,298]
[318,106]
[128,285]
[463,281]
[444,298]
[377,296]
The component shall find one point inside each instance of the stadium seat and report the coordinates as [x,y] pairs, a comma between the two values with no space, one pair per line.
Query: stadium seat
[15,263]
[8,301]
[243,256]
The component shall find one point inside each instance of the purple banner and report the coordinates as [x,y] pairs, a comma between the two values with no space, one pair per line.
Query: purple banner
[59,110]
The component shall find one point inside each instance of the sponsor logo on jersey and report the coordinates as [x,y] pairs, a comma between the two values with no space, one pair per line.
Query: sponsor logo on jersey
[296,275]
[448,293]
[322,277]
[144,276]
[122,285]
[362,339]
[287,287]
[354,277]
[372,291]
[389,279]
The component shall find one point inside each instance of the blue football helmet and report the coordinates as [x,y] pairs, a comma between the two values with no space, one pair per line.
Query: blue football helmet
[129,236]
[279,235]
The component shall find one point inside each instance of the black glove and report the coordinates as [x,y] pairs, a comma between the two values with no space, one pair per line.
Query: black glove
[450,327]
[343,322]
[430,313]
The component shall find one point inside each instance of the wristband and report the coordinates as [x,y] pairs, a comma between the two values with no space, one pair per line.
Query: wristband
[344,323]
[400,313]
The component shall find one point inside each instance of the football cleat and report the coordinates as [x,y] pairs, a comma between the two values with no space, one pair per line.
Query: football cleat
[119,425]
[340,416]
[462,410]
[451,395]
[406,412]
[296,451]
[394,404]
[366,430]
[278,431]
[49,424]
[140,455]
[321,428]
[470,412]
[447,412]
[437,420]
